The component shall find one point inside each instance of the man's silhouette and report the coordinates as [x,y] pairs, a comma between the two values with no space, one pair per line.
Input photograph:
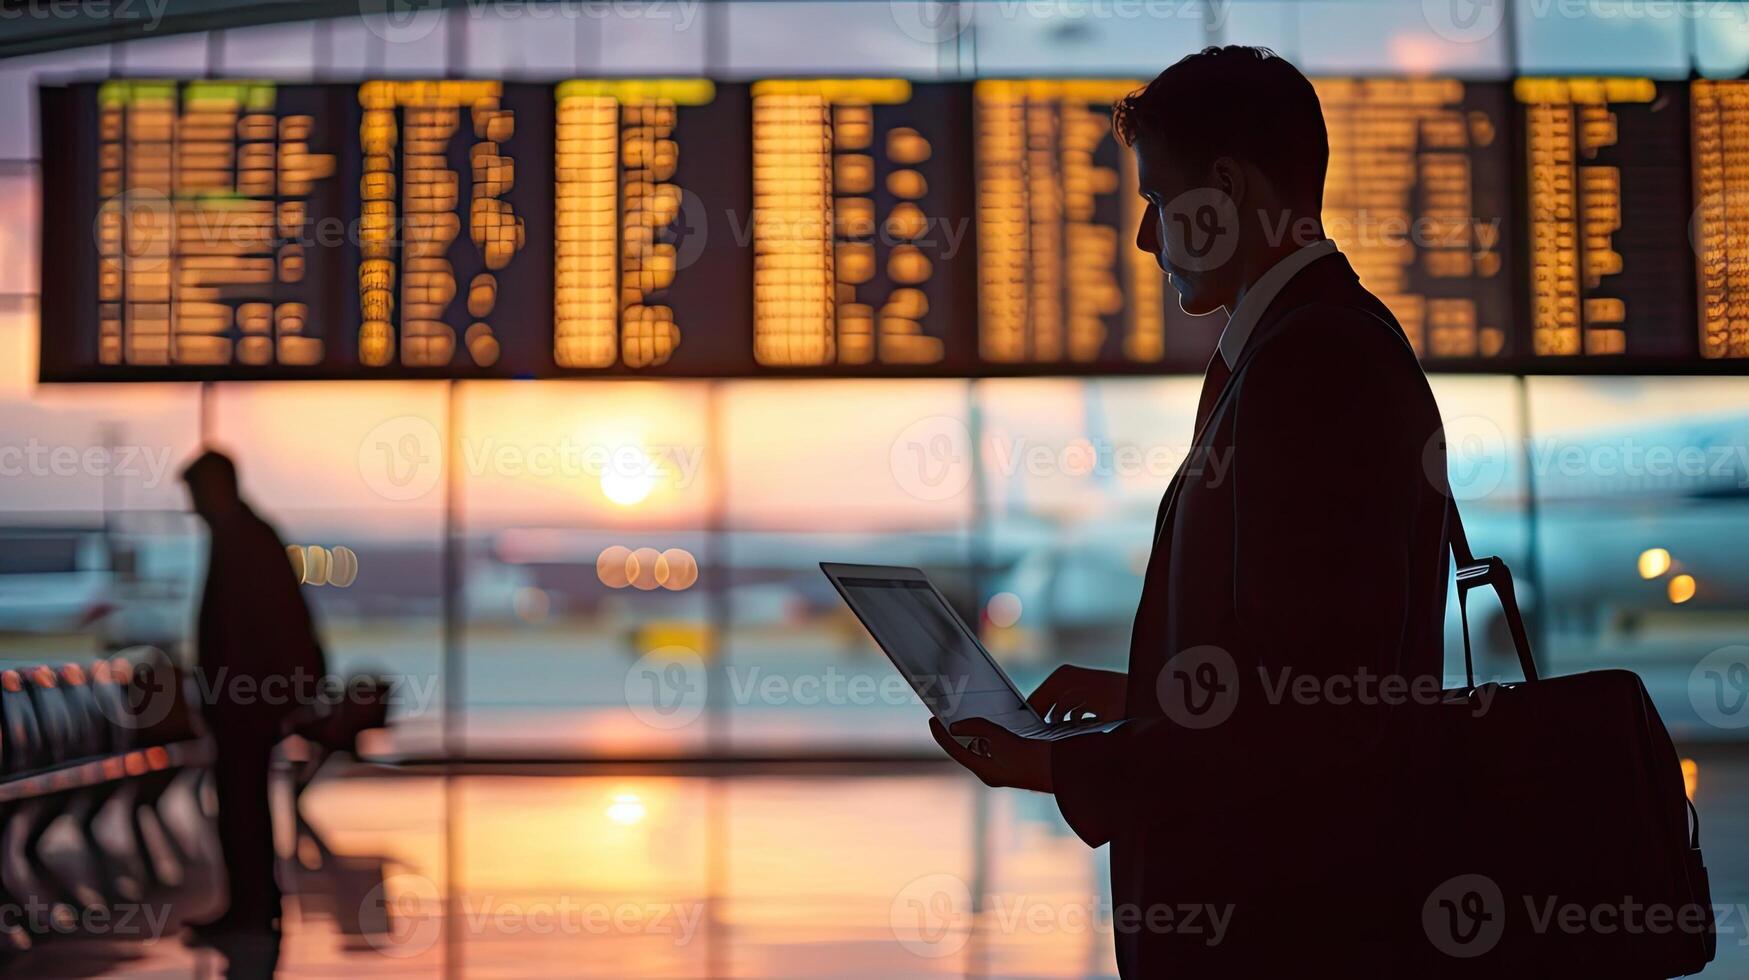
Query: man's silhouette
[258,655]
[1287,592]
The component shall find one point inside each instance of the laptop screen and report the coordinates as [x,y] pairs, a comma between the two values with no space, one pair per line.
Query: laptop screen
[931,646]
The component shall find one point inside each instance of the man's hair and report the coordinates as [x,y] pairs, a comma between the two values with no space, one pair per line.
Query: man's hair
[1239,101]
[211,466]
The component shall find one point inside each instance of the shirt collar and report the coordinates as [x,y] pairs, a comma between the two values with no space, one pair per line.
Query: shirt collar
[1263,292]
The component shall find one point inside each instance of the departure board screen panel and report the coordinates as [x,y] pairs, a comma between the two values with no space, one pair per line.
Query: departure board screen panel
[239,229]
[449,177]
[180,231]
[1060,282]
[1606,214]
[862,255]
[654,209]
[1719,132]
[1417,199]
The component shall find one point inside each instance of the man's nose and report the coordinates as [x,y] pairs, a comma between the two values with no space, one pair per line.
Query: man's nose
[1148,235]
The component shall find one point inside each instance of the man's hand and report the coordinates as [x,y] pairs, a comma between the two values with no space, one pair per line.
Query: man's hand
[998,756]
[1071,692]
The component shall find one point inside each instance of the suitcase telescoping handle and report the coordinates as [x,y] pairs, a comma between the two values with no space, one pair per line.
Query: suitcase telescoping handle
[1473,572]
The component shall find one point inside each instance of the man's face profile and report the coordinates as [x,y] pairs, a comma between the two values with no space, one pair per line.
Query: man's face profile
[1189,227]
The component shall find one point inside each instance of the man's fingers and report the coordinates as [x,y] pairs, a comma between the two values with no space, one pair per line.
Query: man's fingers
[985,735]
[959,753]
[1048,697]
[1041,699]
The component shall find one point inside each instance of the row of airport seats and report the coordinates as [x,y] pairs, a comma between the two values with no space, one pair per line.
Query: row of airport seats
[75,737]
[72,738]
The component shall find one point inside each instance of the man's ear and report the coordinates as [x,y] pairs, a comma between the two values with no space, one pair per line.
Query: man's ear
[1228,177]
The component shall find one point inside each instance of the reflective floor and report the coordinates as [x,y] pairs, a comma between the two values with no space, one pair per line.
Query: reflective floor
[717,872]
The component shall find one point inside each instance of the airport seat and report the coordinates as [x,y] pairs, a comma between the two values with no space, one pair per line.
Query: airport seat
[74,737]
[59,738]
[23,734]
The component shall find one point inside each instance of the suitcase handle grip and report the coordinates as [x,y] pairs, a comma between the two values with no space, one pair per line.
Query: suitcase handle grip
[1473,572]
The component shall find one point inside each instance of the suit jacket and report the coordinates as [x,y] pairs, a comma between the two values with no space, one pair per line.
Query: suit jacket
[254,629]
[1299,560]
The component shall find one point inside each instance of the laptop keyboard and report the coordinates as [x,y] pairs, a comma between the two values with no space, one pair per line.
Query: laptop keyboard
[1050,733]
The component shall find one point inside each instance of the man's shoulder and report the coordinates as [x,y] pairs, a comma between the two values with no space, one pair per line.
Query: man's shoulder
[1338,339]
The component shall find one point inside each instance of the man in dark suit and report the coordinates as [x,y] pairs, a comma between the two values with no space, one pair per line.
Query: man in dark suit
[1289,591]
[259,660]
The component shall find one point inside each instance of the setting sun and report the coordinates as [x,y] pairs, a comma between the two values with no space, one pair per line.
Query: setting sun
[629,480]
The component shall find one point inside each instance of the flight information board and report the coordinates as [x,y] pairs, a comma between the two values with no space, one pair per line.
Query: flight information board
[861,226]
[237,229]
[199,199]
[1416,197]
[1719,114]
[1059,280]
[1606,217]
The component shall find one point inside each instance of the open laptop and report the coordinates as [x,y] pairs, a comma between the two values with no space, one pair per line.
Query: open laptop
[938,654]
